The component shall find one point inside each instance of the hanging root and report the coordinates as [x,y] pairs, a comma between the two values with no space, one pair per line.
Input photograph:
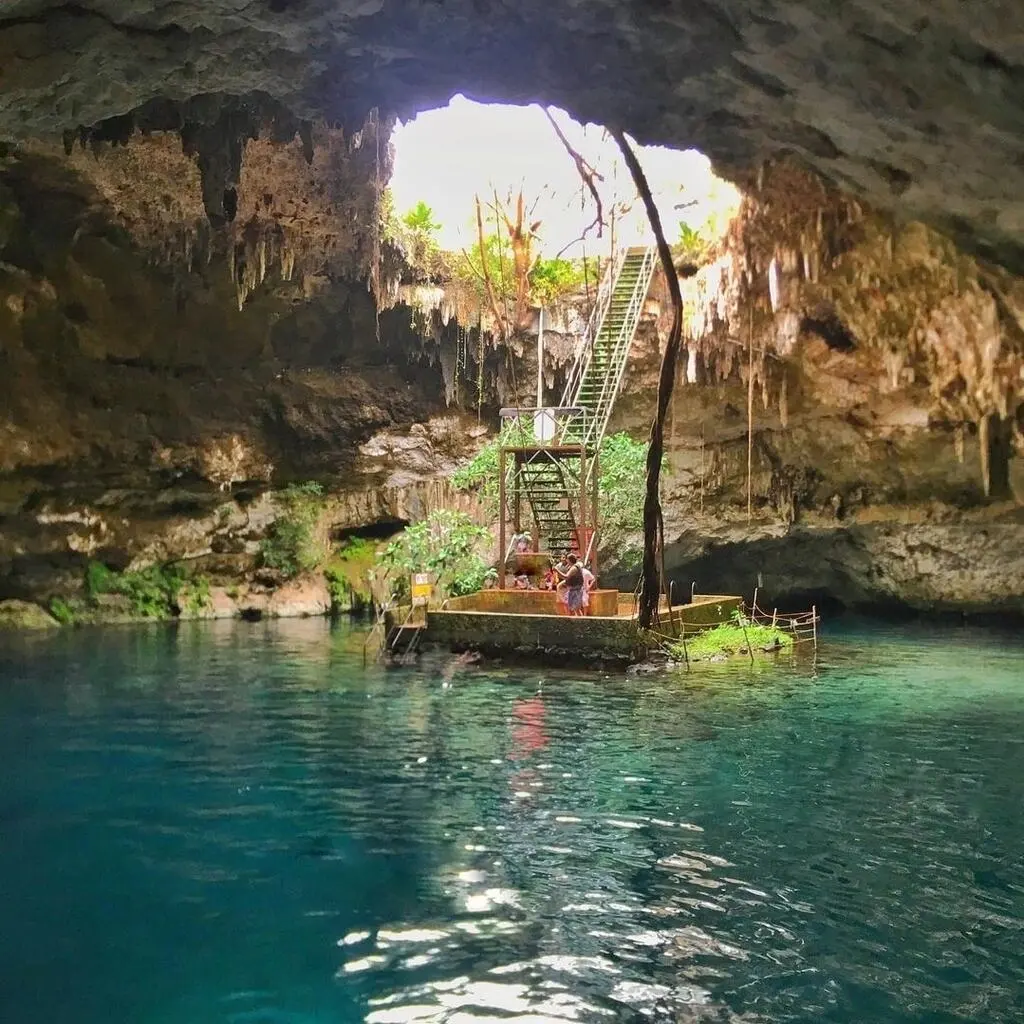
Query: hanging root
[588,175]
[651,587]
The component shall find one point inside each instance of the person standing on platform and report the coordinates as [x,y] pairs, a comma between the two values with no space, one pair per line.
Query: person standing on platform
[572,580]
[589,584]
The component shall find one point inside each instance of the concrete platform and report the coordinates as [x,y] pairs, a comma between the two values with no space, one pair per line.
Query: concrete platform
[526,623]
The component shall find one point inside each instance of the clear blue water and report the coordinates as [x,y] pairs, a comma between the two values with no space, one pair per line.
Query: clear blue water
[237,823]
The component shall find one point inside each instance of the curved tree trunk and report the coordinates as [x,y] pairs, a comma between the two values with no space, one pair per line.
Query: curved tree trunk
[650,592]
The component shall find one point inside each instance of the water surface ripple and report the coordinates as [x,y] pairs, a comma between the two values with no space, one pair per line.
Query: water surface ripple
[237,823]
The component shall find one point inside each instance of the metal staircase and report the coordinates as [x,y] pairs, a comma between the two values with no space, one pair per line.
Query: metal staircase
[548,492]
[551,486]
[601,360]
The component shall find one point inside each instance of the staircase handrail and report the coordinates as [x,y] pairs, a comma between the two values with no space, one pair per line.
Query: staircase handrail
[610,385]
[563,415]
[585,346]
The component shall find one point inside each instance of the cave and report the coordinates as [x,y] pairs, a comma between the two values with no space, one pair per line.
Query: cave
[233,386]
[197,308]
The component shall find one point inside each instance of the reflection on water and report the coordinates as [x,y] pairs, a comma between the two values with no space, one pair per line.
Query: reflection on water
[238,823]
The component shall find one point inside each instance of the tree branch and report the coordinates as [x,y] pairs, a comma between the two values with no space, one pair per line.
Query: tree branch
[499,320]
[588,174]
[651,585]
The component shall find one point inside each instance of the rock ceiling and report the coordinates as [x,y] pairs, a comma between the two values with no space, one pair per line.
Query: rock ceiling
[917,105]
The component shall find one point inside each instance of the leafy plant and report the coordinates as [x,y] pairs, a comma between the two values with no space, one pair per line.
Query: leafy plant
[421,218]
[339,588]
[194,595]
[480,474]
[347,574]
[66,612]
[496,255]
[623,465]
[155,592]
[691,245]
[356,549]
[473,577]
[737,636]
[551,278]
[445,543]
[293,544]
[99,580]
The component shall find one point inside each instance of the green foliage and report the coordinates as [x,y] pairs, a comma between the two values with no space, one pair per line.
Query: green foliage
[472,577]
[294,545]
[66,612]
[446,544]
[736,637]
[194,595]
[347,574]
[421,218]
[496,256]
[153,591]
[355,549]
[692,245]
[480,474]
[99,580]
[156,592]
[339,588]
[550,279]
[623,468]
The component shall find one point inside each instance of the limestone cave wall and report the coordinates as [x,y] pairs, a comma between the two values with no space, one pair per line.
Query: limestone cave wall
[886,373]
[163,376]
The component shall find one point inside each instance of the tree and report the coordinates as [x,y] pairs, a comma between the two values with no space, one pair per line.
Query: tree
[421,219]
[692,246]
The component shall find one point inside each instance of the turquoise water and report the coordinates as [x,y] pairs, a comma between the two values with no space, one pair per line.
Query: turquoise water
[237,823]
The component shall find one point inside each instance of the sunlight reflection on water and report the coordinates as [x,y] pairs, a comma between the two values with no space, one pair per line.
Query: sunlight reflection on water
[261,831]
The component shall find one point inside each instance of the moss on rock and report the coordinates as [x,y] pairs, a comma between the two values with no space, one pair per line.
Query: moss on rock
[24,615]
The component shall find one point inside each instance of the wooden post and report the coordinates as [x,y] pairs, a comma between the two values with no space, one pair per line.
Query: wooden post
[746,637]
[517,497]
[814,621]
[595,469]
[501,519]
[671,617]
[582,531]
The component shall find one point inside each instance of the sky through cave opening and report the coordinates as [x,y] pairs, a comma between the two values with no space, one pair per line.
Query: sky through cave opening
[447,156]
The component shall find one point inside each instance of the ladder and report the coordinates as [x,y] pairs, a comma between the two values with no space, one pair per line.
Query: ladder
[592,386]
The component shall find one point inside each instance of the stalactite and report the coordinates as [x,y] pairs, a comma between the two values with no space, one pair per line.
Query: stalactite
[983,448]
[784,401]
[750,412]
[958,443]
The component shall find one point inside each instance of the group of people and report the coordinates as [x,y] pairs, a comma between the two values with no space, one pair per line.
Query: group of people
[569,577]
[573,581]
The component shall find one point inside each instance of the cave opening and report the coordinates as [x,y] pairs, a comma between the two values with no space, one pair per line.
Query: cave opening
[378,530]
[447,156]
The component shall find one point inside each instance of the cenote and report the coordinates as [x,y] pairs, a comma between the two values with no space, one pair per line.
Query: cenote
[237,822]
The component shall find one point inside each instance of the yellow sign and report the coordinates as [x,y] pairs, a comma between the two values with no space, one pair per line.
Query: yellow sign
[422,589]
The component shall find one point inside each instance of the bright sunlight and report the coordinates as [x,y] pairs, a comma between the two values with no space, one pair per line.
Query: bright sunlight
[445,157]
